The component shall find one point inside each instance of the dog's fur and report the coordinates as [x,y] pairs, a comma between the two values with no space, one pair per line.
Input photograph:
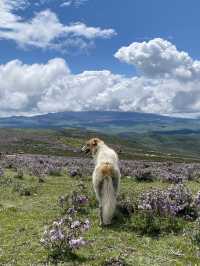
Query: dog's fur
[106,177]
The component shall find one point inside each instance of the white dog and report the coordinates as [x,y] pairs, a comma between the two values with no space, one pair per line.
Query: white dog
[106,177]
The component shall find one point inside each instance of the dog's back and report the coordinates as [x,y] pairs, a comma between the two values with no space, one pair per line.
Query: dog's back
[106,155]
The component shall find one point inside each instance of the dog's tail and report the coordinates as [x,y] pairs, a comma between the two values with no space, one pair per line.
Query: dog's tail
[108,200]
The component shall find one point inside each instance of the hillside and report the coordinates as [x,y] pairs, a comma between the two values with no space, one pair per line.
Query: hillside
[130,145]
[107,122]
[136,135]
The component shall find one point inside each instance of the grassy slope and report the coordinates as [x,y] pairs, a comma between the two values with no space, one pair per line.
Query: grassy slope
[67,142]
[23,219]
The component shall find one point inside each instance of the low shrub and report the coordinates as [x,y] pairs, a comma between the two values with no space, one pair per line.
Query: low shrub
[144,175]
[24,189]
[114,262]
[1,172]
[172,177]
[76,200]
[55,170]
[19,174]
[6,181]
[146,223]
[64,236]
[177,200]
[125,205]
[73,202]
[194,233]
[75,172]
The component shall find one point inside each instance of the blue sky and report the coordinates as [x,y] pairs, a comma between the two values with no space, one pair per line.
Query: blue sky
[96,36]
[133,20]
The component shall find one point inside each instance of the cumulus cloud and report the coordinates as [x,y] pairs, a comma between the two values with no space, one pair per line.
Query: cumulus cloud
[160,58]
[51,87]
[22,86]
[35,32]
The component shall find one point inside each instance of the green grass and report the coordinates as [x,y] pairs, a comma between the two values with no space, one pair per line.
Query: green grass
[22,221]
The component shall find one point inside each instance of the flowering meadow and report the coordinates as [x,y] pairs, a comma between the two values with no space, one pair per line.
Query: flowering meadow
[49,214]
[40,165]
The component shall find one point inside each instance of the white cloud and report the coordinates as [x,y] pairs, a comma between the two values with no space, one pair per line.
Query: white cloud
[45,30]
[22,86]
[80,29]
[160,58]
[51,87]
[62,3]
[76,3]
[67,3]
[7,17]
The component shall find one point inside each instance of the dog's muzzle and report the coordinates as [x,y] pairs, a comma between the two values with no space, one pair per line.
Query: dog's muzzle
[85,149]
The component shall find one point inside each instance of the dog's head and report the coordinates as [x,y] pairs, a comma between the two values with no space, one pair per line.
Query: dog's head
[91,146]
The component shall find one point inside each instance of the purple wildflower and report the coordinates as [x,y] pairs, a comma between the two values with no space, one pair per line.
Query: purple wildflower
[71,211]
[82,199]
[65,234]
[77,243]
[86,225]
[176,200]
[75,224]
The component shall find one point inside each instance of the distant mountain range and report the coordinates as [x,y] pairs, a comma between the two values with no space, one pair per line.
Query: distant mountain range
[107,122]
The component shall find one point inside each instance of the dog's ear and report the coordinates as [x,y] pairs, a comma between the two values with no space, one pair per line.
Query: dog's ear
[95,141]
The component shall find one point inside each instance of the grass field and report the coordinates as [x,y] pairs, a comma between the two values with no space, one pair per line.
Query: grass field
[23,217]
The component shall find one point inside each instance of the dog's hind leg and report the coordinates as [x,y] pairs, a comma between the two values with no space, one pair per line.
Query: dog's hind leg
[115,182]
[98,190]
[101,214]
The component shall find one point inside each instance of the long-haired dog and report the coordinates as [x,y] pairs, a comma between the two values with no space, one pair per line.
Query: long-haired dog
[106,177]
